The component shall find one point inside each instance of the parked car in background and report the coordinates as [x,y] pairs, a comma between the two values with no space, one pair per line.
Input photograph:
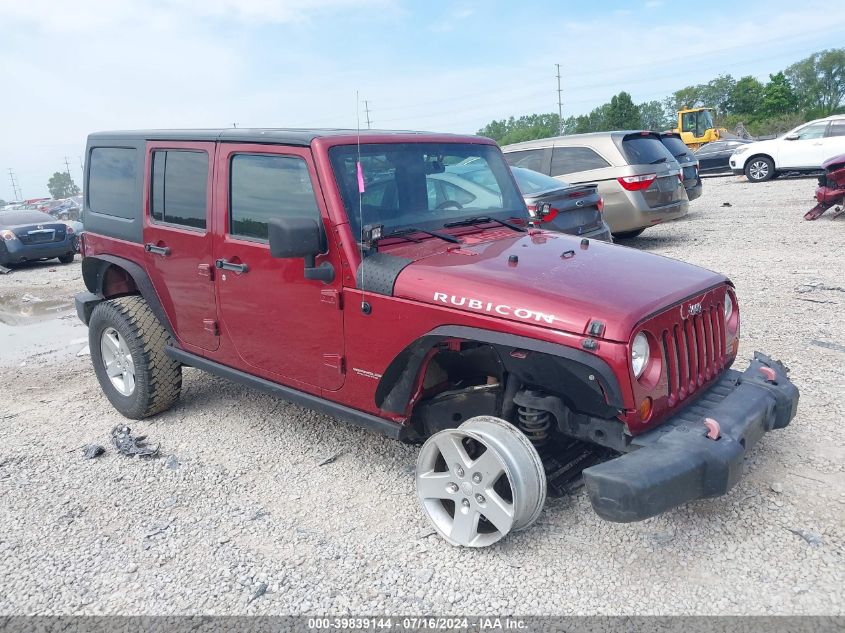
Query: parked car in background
[65,209]
[714,158]
[637,176]
[27,235]
[687,161]
[559,206]
[803,149]
[77,229]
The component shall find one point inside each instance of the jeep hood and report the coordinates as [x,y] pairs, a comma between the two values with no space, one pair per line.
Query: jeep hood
[551,280]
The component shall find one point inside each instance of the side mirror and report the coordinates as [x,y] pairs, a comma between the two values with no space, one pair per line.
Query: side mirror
[792,137]
[292,238]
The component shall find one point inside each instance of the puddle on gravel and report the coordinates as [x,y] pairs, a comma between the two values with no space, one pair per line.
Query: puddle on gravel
[32,328]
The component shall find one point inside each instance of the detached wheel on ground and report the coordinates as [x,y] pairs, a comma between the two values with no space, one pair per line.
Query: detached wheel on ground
[480,481]
[760,169]
[67,258]
[628,235]
[127,345]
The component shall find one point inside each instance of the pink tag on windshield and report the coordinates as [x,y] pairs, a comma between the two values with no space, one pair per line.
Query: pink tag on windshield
[360,177]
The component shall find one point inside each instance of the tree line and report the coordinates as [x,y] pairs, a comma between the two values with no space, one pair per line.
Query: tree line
[809,89]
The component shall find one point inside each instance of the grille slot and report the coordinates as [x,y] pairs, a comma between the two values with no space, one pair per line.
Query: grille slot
[694,349]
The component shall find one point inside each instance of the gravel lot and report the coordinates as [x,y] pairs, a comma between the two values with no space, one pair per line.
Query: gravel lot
[239,503]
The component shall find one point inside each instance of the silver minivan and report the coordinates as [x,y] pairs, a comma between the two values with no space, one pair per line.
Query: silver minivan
[638,178]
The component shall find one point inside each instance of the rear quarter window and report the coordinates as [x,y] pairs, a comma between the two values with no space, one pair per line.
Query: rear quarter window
[570,160]
[527,158]
[112,180]
[644,150]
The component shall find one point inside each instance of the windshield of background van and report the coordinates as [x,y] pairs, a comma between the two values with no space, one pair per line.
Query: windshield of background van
[424,185]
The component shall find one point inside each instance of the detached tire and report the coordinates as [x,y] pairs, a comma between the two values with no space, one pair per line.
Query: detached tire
[127,344]
[760,169]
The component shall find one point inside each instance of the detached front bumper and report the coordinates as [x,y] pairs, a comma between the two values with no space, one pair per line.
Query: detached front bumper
[677,462]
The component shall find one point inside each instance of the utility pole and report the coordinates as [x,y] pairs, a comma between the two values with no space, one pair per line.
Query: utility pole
[67,168]
[559,103]
[367,110]
[15,189]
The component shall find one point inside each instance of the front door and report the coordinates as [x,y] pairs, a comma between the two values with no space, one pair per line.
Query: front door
[278,321]
[177,238]
[805,150]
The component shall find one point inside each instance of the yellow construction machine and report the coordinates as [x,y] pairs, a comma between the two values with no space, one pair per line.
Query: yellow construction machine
[696,127]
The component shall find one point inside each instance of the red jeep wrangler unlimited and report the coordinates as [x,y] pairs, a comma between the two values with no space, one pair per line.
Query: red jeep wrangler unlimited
[363,277]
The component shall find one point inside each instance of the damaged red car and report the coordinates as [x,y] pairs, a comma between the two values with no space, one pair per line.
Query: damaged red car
[831,189]
[353,275]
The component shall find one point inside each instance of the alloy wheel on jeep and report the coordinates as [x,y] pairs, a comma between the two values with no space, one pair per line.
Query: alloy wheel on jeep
[117,360]
[480,481]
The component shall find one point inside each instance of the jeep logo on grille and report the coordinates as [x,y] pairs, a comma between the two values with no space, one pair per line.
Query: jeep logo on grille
[694,309]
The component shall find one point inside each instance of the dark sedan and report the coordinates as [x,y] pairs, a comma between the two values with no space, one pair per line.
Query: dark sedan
[713,157]
[558,206]
[31,235]
[687,160]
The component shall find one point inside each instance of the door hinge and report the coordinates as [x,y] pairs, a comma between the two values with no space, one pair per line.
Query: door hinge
[332,297]
[334,361]
[210,326]
[206,270]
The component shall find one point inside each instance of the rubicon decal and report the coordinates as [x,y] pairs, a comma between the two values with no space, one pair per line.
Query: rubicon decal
[493,308]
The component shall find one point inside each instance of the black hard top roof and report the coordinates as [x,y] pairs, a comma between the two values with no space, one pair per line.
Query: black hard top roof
[282,136]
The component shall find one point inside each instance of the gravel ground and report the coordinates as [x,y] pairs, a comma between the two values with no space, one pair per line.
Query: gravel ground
[238,503]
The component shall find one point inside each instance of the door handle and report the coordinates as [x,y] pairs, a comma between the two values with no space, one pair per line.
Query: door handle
[223,264]
[164,251]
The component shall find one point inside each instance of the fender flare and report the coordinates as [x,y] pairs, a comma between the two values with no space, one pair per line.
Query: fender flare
[93,274]
[396,387]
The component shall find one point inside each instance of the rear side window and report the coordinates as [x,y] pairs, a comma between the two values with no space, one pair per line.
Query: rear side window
[837,128]
[263,187]
[111,181]
[644,150]
[528,158]
[569,160]
[675,145]
[180,188]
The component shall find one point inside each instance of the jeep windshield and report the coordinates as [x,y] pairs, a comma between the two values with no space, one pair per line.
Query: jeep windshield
[424,185]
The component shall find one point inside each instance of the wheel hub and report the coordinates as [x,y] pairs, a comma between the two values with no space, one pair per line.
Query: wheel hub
[117,361]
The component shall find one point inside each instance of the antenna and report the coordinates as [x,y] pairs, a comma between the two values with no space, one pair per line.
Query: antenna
[367,110]
[559,103]
[366,308]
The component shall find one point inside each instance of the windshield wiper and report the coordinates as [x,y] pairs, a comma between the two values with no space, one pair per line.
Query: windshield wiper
[659,160]
[412,229]
[481,220]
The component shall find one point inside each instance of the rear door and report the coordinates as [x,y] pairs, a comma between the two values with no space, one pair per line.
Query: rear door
[280,323]
[177,237]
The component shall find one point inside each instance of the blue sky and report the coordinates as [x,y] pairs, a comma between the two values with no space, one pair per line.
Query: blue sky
[69,68]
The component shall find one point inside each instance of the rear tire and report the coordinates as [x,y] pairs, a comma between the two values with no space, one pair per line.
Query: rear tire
[759,169]
[628,235]
[129,325]
[67,258]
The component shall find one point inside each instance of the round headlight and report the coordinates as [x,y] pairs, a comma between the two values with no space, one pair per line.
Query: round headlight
[729,306]
[639,354]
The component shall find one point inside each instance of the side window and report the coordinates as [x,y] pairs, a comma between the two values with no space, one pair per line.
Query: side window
[814,130]
[528,158]
[837,128]
[179,192]
[262,187]
[111,181]
[569,160]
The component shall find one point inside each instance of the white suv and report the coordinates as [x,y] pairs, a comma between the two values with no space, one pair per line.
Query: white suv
[803,149]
